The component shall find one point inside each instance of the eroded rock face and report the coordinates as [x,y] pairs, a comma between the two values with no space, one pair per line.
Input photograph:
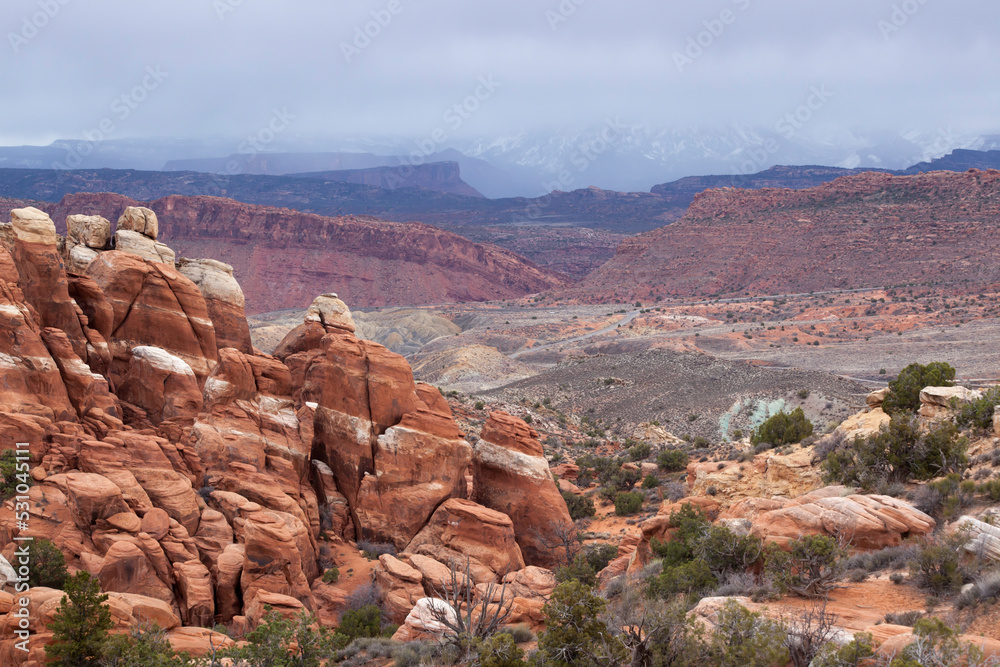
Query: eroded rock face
[394,457]
[161,384]
[154,305]
[865,521]
[224,298]
[202,476]
[511,475]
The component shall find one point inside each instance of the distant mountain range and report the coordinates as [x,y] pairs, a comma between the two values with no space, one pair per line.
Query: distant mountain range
[614,155]
[436,194]
[860,231]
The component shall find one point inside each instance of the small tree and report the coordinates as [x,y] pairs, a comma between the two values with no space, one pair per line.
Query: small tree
[672,460]
[628,503]
[576,636]
[904,391]
[284,642]
[744,638]
[145,645]
[80,625]
[810,566]
[783,429]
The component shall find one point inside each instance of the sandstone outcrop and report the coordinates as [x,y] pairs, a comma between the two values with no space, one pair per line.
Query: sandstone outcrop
[201,481]
[224,298]
[864,521]
[154,305]
[940,402]
[511,475]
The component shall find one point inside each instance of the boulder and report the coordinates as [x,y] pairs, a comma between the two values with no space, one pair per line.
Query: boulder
[126,569]
[511,475]
[228,570]
[866,522]
[465,529]
[224,298]
[425,620]
[332,313]
[141,220]
[198,642]
[31,225]
[144,247]
[392,456]
[42,276]
[875,399]
[273,559]
[767,475]
[89,231]
[91,497]
[984,538]
[400,586]
[940,402]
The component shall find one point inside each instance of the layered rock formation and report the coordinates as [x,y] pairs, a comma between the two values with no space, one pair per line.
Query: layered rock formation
[511,475]
[858,231]
[370,262]
[194,476]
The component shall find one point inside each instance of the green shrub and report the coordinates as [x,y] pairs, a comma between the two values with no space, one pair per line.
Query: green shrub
[990,489]
[725,552]
[855,652]
[748,639]
[47,563]
[575,631]
[628,503]
[937,644]
[364,622]
[650,482]
[331,575]
[783,429]
[897,454]
[692,579]
[690,526]
[579,570]
[904,391]
[280,641]
[12,473]
[639,451]
[500,650]
[599,555]
[145,645]
[978,414]
[579,506]
[479,405]
[672,460]
[810,566]
[938,566]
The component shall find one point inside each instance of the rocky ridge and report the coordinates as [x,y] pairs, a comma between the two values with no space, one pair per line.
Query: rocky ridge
[859,231]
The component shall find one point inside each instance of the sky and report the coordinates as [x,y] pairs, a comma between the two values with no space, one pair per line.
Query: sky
[318,68]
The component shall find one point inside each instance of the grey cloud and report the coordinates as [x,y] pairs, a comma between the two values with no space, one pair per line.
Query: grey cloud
[228,71]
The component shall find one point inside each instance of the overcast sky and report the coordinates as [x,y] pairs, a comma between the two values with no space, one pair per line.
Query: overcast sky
[223,66]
